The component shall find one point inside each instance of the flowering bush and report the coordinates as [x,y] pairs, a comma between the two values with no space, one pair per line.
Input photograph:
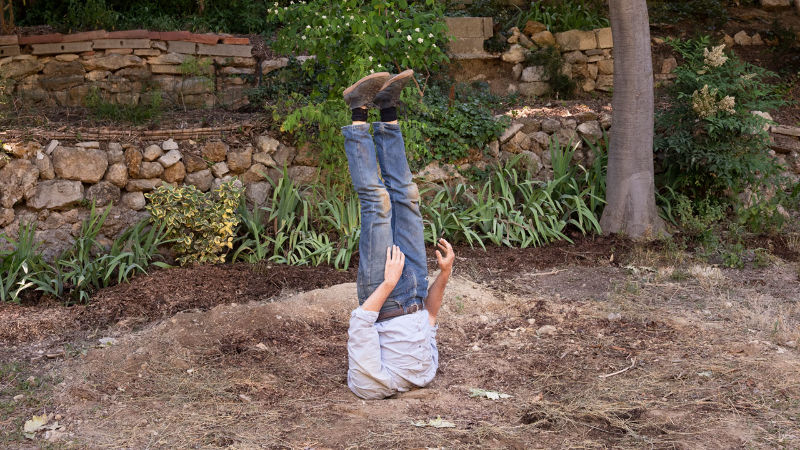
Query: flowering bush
[711,143]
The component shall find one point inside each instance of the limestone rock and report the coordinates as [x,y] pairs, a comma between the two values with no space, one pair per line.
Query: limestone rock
[669,65]
[97,75]
[174,173]
[742,38]
[256,172]
[544,39]
[201,179]
[307,156]
[112,62]
[551,125]
[194,162]
[534,89]
[239,160]
[133,159]
[151,170]
[264,159]
[117,174]
[517,144]
[266,144]
[45,166]
[604,38]
[170,158]
[303,174]
[591,131]
[493,149]
[23,150]
[220,169]
[576,40]
[20,69]
[84,164]
[88,144]
[57,68]
[535,73]
[257,193]
[50,147]
[284,155]
[215,151]
[510,132]
[525,41]
[6,216]
[756,40]
[533,27]
[605,120]
[169,144]
[103,193]
[565,136]
[133,200]
[541,138]
[56,194]
[575,57]
[775,4]
[516,71]
[531,125]
[115,153]
[436,173]
[514,38]
[605,82]
[143,185]
[17,181]
[152,152]
[531,162]
[515,54]
[606,67]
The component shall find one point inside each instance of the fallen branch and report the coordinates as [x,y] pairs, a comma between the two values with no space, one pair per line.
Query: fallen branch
[633,363]
[553,272]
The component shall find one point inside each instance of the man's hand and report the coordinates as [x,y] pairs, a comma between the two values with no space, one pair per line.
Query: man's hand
[445,257]
[395,260]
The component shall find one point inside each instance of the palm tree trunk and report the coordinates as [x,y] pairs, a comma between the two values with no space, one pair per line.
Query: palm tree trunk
[630,192]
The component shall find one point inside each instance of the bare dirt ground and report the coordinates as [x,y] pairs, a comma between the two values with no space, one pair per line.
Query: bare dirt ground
[648,348]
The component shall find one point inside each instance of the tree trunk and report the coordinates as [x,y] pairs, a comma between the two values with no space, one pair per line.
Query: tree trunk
[630,191]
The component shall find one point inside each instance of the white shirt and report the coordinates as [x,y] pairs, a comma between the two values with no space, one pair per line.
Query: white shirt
[391,356]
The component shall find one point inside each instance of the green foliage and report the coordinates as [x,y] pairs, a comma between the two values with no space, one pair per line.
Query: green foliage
[511,209]
[565,15]
[300,227]
[710,142]
[550,58]
[437,127]
[498,43]
[18,266]
[194,67]
[149,109]
[710,12]
[231,16]
[200,225]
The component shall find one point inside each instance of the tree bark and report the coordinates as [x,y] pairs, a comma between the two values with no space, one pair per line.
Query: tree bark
[630,188]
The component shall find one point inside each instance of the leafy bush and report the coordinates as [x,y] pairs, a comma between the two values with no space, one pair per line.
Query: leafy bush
[513,210]
[18,266]
[711,12]
[200,225]
[565,15]
[438,127]
[710,142]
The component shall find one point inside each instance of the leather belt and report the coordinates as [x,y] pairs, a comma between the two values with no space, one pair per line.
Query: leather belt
[399,311]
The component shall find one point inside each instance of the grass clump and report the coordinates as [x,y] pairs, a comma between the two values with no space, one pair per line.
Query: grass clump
[148,110]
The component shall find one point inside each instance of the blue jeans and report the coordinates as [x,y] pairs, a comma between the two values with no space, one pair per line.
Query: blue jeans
[389,212]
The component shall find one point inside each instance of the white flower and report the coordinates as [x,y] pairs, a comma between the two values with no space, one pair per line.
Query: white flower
[419,40]
[347,24]
[303,37]
[416,29]
[363,21]
[433,45]
[715,57]
[408,37]
[308,27]
[351,17]
[324,17]
[430,35]
[399,30]
[370,58]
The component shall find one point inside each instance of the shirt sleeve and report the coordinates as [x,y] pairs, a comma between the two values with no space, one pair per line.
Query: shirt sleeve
[366,377]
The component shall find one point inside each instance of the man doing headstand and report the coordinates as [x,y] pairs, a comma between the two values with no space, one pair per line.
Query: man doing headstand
[392,336]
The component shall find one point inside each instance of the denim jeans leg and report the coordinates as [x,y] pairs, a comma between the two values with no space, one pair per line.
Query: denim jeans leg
[407,227]
[376,212]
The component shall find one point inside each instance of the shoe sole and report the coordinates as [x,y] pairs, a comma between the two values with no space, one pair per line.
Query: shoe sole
[400,76]
[361,81]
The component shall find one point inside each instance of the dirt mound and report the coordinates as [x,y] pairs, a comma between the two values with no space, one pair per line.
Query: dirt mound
[586,363]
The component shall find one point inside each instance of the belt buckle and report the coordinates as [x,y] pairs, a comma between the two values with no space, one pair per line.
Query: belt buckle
[413,308]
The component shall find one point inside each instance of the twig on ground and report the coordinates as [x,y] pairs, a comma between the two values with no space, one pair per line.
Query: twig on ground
[633,363]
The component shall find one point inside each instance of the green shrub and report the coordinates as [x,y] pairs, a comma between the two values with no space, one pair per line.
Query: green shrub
[711,144]
[565,15]
[20,264]
[200,225]
[88,266]
[711,12]
[436,127]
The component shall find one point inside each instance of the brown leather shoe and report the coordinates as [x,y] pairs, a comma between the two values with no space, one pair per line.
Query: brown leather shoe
[363,91]
[390,92]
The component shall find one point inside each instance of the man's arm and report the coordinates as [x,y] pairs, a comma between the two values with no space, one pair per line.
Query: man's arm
[445,258]
[395,259]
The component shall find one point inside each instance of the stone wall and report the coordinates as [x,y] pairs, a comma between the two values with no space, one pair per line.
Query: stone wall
[52,183]
[128,67]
